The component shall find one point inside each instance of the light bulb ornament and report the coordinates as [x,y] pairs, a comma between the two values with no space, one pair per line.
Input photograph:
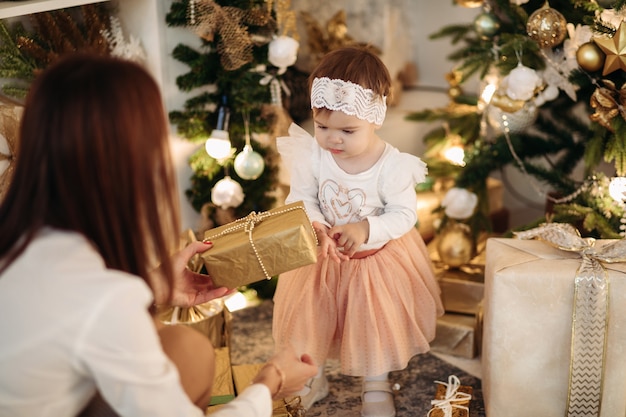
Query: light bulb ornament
[249,164]
[218,145]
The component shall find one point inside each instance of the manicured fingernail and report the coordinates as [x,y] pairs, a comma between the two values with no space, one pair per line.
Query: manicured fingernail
[207,242]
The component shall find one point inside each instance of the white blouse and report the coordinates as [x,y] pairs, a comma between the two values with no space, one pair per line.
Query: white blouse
[69,326]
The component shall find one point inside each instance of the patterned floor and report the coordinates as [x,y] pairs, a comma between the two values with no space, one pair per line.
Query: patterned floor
[251,342]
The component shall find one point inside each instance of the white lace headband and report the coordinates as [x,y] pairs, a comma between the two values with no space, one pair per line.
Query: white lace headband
[349,98]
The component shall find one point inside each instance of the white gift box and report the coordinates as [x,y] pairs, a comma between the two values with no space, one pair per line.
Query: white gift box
[528,308]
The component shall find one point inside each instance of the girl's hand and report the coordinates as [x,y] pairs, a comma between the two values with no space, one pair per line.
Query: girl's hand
[190,288]
[328,246]
[350,236]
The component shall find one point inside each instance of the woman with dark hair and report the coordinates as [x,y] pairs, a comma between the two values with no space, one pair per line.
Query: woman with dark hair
[87,234]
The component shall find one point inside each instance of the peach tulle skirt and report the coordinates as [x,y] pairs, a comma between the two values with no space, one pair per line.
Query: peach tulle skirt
[373,314]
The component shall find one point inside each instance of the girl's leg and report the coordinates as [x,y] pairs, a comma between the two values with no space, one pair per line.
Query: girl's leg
[314,390]
[193,355]
[377,398]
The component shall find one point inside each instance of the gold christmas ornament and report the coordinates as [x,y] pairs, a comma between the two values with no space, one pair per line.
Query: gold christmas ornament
[590,57]
[608,102]
[506,103]
[472,4]
[456,245]
[614,49]
[547,27]
[486,25]
[513,122]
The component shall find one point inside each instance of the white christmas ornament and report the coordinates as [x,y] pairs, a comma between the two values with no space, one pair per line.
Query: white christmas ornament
[227,193]
[521,83]
[283,52]
[515,122]
[459,203]
[249,164]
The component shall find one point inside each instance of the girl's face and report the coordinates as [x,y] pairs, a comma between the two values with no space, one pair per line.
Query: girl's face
[346,137]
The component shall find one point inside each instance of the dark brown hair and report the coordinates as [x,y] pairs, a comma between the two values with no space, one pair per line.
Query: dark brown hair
[94,158]
[356,64]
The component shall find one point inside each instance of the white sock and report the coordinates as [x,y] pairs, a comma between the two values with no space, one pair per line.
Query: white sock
[307,388]
[376,396]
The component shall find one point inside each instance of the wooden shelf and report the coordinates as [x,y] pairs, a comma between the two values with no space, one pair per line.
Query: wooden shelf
[21,8]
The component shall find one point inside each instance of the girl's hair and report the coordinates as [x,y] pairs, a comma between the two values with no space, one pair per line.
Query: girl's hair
[358,65]
[94,158]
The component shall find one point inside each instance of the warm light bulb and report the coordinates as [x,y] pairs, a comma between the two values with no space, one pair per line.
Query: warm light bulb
[218,144]
[455,154]
[487,93]
[617,188]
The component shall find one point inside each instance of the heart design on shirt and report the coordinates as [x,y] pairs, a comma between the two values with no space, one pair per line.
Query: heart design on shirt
[342,204]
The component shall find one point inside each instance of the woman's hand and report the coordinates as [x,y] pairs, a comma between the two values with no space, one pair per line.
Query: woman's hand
[328,245]
[190,288]
[286,373]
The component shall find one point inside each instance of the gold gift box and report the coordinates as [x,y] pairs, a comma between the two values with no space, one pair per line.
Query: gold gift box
[526,347]
[440,394]
[461,292]
[241,376]
[260,246]
[456,334]
[223,389]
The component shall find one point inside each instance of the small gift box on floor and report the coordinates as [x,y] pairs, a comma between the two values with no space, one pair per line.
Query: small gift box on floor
[260,246]
[451,399]
[549,348]
[461,291]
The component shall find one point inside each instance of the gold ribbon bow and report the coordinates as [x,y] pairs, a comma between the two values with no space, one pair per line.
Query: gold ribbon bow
[452,399]
[235,44]
[608,102]
[590,318]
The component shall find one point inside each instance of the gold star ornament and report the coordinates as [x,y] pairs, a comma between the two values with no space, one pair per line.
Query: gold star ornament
[614,49]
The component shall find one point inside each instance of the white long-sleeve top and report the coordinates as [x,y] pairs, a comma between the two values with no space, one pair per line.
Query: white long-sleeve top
[384,194]
[69,326]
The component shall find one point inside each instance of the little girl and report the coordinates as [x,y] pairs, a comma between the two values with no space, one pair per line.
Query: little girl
[372,299]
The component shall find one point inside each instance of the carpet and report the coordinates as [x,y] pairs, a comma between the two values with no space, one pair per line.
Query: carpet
[251,342]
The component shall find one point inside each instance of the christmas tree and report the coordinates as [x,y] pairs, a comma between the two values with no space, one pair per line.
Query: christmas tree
[551,98]
[239,73]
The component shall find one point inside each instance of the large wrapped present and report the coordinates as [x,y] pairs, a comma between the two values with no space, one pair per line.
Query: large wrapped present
[451,399]
[260,246]
[457,334]
[549,348]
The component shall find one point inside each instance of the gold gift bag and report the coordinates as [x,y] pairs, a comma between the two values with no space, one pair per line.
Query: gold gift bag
[212,319]
[260,246]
